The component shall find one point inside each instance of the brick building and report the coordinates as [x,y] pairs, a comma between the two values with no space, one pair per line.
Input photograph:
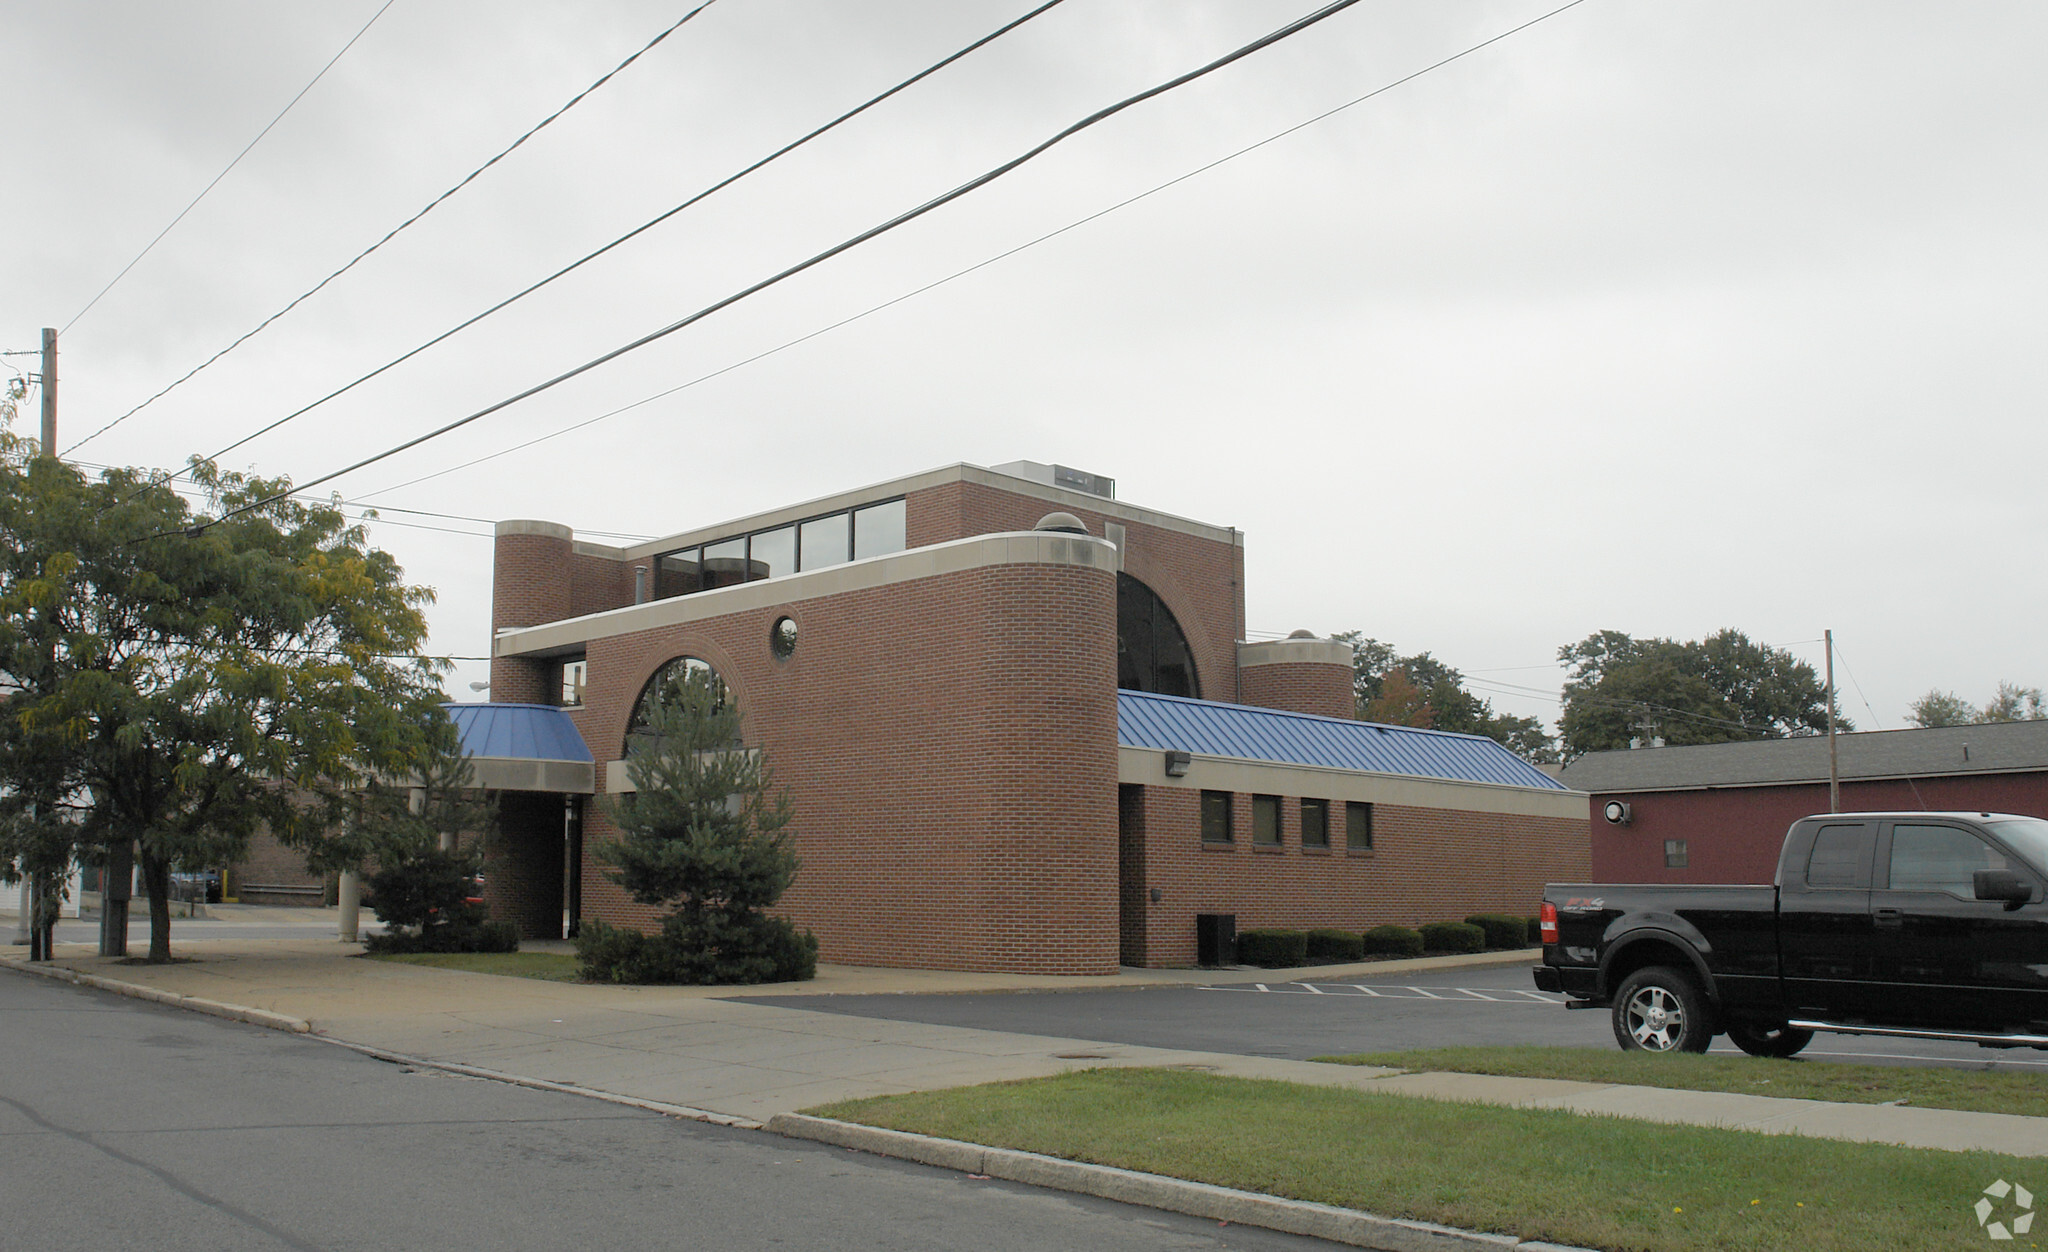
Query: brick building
[1718,812]
[1020,725]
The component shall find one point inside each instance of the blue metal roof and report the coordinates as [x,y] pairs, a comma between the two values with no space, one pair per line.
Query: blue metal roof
[1205,727]
[520,732]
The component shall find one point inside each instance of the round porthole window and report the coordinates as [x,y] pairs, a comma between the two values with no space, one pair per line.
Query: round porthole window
[782,638]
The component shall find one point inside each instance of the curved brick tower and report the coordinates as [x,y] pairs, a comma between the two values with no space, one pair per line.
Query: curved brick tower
[530,585]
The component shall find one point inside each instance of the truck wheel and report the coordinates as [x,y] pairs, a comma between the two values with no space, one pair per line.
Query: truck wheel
[1763,1039]
[1660,1009]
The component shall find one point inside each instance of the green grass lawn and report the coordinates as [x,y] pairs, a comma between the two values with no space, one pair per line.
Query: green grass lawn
[548,966]
[1596,1182]
[1974,1090]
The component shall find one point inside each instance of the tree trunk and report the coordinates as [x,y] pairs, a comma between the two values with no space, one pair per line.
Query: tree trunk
[156,880]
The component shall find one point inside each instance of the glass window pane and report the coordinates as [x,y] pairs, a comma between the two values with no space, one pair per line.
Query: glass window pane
[574,674]
[1315,823]
[773,554]
[1837,857]
[1266,820]
[1674,854]
[678,574]
[1357,824]
[826,541]
[1939,858]
[725,563]
[1216,817]
[879,529]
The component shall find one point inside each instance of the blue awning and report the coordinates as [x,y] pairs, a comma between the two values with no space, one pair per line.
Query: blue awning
[520,732]
[1242,732]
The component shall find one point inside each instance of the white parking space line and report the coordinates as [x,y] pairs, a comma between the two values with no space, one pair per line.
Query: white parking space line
[1441,995]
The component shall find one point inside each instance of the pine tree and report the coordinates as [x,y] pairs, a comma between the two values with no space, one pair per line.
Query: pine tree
[705,834]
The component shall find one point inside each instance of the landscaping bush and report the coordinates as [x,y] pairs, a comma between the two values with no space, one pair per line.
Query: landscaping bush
[1502,931]
[1393,941]
[1334,945]
[760,949]
[466,936]
[1534,935]
[1273,949]
[1452,937]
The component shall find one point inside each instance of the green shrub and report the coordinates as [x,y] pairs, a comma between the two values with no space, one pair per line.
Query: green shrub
[1534,934]
[1334,945]
[1273,949]
[1452,937]
[467,935]
[760,949]
[1502,930]
[1393,941]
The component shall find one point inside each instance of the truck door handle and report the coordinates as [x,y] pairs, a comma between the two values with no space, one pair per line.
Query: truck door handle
[1888,917]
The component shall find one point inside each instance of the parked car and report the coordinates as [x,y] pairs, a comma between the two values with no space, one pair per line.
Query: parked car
[203,885]
[1923,925]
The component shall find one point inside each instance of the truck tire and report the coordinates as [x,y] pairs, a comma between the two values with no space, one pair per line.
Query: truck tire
[1764,1039]
[1660,1009]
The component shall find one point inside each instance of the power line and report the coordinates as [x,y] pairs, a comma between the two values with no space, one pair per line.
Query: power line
[231,165]
[979,265]
[393,233]
[645,226]
[982,180]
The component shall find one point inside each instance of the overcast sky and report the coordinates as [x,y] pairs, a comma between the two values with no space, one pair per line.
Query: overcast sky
[1652,317]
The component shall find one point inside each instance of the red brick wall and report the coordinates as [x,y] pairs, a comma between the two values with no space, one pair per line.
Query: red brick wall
[1426,865]
[950,747]
[269,863]
[530,585]
[1201,580]
[1734,834]
[1324,690]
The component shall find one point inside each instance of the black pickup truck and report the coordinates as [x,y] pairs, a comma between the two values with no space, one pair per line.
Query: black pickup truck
[1925,925]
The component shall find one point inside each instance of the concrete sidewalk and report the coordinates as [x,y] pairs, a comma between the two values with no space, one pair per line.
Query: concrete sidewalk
[709,1049]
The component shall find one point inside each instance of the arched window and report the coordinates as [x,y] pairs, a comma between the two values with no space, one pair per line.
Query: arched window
[1151,652]
[674,671]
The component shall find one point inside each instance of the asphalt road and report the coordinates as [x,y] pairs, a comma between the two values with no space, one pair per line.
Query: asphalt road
[1250,1015]
[125,1125]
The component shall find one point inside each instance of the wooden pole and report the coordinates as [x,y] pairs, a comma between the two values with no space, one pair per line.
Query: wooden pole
[1834,766]
[49,391]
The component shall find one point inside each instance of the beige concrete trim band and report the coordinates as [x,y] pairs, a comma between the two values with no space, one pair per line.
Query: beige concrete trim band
[1221,773]
[214,1008]
[1294,652]
[1027,547]
[1197,1199]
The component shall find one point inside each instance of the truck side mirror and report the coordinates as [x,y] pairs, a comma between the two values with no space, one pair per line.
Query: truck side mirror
[2003,884]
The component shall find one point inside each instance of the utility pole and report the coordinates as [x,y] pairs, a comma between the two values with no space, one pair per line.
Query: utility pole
[49,391]
[1834,768]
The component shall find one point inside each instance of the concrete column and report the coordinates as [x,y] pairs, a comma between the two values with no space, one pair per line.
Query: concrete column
[351,900]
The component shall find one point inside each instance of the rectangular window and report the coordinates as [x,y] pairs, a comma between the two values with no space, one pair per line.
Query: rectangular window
[1838,857]
[725,563]
[1315,823]
[1266,821]
[1357,825]
[772,554]
[879,529]
[573,675]
[1215,817]
[678,574]
[1939,858]
[824,541]
[1674,854]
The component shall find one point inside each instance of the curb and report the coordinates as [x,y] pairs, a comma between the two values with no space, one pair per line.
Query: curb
[215,1008]
[1196,1199]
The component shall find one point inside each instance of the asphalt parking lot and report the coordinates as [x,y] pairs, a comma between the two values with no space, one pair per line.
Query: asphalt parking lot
[1252,1013]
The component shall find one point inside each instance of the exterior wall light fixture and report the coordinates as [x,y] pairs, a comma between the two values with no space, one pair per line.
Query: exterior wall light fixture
[1177,764]
[1617,812]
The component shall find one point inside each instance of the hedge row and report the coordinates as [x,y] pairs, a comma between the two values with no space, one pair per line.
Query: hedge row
[1276,948]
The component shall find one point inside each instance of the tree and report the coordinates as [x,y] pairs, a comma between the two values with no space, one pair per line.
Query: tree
[1941,708]
[179,681]
[427,835]
[1433,695]
[1715,690]
[705,834]
[2013,703]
